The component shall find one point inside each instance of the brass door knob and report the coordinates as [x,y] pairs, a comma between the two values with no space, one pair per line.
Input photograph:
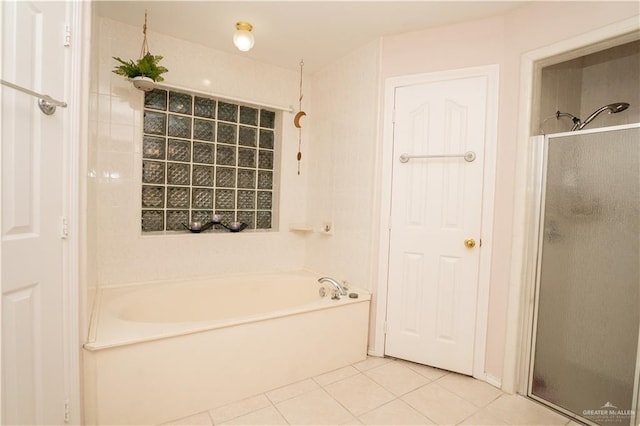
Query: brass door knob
[469,243]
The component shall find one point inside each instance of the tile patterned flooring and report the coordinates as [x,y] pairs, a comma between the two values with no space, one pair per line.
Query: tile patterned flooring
[381,391]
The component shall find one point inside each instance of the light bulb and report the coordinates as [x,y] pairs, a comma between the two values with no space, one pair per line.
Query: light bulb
[243,38]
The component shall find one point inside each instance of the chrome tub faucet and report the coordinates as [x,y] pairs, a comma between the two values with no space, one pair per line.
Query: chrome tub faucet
[340,290]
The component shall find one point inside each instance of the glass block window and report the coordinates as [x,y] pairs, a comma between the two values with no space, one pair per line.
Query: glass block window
[202,156]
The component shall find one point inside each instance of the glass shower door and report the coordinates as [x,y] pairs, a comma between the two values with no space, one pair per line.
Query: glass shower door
[588,292]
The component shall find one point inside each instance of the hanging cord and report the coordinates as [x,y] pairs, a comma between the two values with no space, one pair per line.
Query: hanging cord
[300,111]
[145,47]
[301,94]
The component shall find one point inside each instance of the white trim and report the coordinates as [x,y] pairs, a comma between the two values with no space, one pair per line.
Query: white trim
[491,72]
[377,348]
[488,201]
[76,76]
[493,380]
[1,210]
[519,282]
[374,351]
[288,109]
[538,206]
[534,191]
[382,274]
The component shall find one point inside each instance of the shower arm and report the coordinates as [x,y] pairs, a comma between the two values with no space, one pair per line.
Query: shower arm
[576,121]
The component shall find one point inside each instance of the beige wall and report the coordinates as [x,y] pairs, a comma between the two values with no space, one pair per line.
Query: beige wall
[501,41]
[560,90]
[608,77]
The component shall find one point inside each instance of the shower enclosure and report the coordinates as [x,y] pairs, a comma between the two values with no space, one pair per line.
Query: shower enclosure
[584,357]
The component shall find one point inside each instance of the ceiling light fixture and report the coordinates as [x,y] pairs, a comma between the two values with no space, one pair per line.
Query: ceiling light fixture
[243,38]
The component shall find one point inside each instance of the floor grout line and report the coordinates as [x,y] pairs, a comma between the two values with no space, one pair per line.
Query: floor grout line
[210,417]
[280,412]
[456,390]
[341,404]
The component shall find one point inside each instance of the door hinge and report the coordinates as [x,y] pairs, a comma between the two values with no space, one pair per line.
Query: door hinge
[385,327]
[64,227]
[480,243]
[67,410]
[67,36]
[393,115]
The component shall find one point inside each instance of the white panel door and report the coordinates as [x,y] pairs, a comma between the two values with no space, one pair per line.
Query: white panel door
[33,370]
[436,206]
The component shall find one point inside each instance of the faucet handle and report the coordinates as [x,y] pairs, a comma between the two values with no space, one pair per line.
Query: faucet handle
[335,294]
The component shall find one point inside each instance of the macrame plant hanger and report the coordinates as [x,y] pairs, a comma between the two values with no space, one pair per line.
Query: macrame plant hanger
[146,71]
[145,46]
[299,115]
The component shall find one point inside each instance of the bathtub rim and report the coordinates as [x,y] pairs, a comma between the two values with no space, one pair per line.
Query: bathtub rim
[192,327]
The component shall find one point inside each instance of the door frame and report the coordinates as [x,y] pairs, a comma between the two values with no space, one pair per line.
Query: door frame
[74,204]
[491,72]
[1,209]
[524,233]
[75,131]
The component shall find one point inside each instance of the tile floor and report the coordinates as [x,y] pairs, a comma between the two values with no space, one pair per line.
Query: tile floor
[381,391]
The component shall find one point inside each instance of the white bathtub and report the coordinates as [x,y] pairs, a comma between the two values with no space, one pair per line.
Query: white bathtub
[160,351]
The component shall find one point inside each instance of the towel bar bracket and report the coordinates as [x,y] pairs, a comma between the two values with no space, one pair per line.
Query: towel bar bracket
[46,107]
[45,102]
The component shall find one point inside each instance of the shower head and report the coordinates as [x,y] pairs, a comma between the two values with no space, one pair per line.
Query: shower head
[618,107]
[612,108]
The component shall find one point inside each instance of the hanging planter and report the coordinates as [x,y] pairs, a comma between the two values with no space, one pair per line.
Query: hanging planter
[144,72]
[143,83]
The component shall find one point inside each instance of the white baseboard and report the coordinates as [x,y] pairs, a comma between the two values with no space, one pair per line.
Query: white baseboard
[376,352]
[493,381]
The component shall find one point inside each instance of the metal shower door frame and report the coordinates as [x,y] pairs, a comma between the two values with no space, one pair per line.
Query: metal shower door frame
[538,195]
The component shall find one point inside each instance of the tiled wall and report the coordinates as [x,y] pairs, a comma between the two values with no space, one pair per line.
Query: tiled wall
[120,251]
[89,272]
[342,169]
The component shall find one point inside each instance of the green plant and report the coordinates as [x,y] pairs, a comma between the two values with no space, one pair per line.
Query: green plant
[147,66]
